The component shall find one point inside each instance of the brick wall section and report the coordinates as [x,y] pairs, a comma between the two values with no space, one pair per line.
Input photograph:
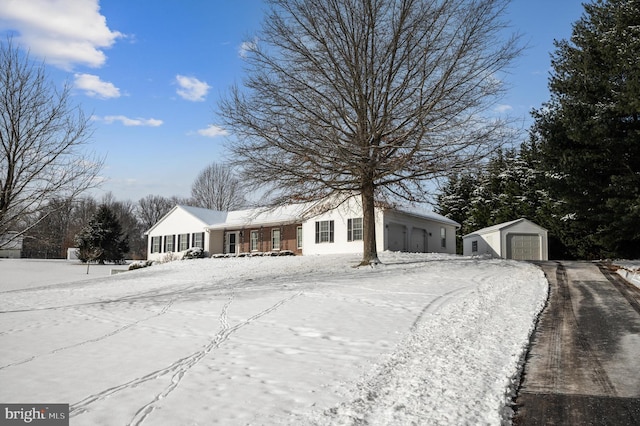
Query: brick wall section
[288,238]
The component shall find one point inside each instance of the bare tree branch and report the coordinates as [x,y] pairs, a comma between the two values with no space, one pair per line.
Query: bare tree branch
[218,188]
[42,136]
[374,97]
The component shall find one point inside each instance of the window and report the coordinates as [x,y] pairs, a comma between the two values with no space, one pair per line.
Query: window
[183,242]
[354,229]
[253,241]
[474,246]
[275,239]
[299,236]
[198,240]
[156,242]
[169,243]
[324,231]
[443,237]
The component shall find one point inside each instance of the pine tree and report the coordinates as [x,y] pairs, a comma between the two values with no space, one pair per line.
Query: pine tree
[453,202]
[101,240]
[589,132]
[507,188]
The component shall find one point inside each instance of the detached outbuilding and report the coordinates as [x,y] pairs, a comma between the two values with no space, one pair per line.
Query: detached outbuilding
[519,239]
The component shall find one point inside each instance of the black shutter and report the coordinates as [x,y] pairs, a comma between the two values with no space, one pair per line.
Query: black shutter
[330,231]
[317,232]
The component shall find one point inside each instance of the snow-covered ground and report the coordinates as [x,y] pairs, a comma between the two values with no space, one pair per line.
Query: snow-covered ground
[629,270]
[421,339]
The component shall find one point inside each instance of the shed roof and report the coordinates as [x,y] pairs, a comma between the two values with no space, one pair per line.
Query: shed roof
[501,226]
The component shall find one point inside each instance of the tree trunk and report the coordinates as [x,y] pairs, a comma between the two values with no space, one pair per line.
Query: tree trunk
[369,250]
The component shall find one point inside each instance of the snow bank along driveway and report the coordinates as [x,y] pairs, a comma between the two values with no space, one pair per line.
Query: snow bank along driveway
[431,339]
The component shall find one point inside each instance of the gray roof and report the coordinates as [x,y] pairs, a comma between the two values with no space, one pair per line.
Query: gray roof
[499,227]
[427,214]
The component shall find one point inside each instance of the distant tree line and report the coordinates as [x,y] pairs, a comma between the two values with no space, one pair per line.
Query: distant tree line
[57,224]
[578,175]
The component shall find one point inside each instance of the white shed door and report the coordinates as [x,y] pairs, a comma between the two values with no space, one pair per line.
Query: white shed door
[523,246]
[418,243]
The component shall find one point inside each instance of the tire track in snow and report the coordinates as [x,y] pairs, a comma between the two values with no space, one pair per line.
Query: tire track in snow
[435,304]
[178,368]
[164,310]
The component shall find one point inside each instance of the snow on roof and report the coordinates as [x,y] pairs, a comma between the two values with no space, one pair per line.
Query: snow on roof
[262,216]
[498,227]
[427,214]
[206,216]
[291,213]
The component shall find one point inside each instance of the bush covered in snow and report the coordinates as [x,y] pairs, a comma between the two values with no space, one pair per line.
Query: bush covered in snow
[194,253]
[139,265]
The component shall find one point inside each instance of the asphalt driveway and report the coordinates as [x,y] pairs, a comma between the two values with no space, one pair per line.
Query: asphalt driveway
[583,367]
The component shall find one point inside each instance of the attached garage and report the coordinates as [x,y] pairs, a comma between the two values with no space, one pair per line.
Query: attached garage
[520,239]
[418,240]
[396,236]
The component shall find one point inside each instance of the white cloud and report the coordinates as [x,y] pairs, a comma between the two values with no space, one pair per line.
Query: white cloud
[213,131]
[503,108]
[94,87]
[126,121]
[247,47]
[191,88]
[63,32]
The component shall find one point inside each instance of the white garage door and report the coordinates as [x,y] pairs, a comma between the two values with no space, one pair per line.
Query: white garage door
[396,233]
[418,240]
[523,246]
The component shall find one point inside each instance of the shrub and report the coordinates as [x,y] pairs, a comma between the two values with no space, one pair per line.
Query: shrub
[194,253]
[139,265]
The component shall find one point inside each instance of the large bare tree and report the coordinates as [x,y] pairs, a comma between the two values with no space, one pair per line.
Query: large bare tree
[218,188]
[152,208]
[42,141]
[369,97]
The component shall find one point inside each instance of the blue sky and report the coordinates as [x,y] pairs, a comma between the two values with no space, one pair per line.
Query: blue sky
[150,74]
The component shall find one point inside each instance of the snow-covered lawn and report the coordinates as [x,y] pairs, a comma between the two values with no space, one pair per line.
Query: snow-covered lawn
[629,270]
[430,339]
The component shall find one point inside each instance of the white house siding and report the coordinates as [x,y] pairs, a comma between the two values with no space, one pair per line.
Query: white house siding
[340,216]
[215,241]
[177,222]
[409,232]
[395,231]
[11,249]
[10,253]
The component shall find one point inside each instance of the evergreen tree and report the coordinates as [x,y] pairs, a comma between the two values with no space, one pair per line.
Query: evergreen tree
[588,134]
[101,240]
[453,202]
[507,188]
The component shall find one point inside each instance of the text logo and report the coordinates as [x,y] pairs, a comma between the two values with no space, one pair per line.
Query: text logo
[34,414]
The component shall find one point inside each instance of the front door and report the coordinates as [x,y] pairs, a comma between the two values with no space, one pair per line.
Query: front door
[232,242]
